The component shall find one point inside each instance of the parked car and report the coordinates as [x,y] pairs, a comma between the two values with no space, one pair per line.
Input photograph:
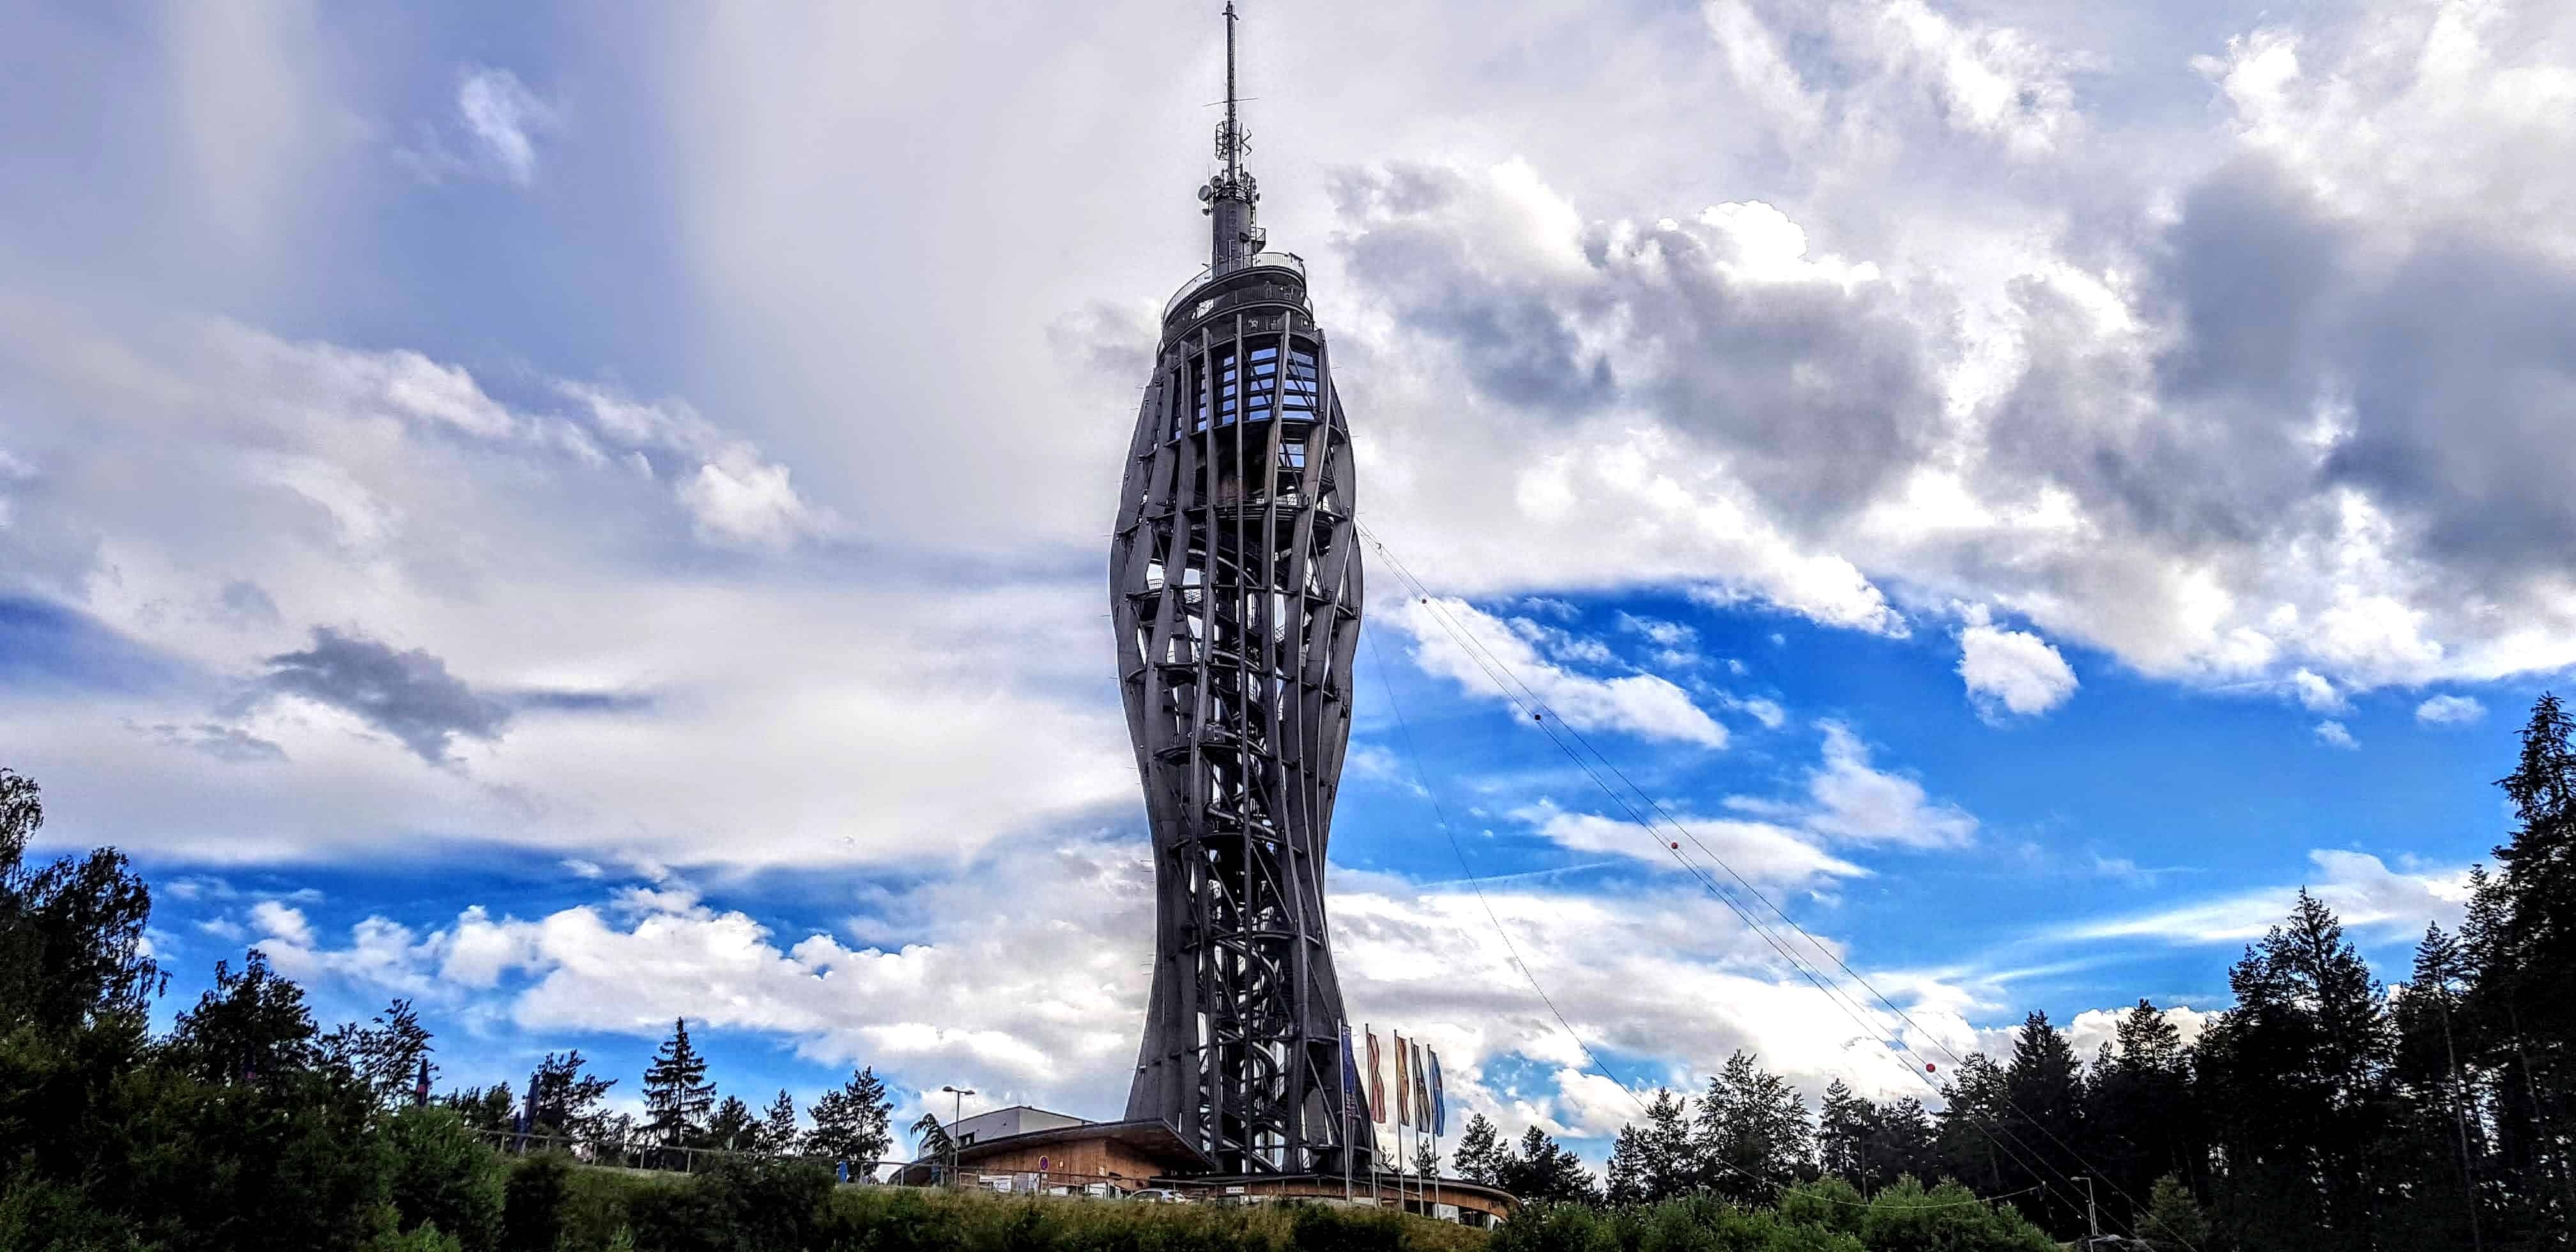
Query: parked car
[1159,1195]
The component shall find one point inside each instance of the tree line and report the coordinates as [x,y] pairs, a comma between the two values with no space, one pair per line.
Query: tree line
[564,1104]
[2322,1111]
[246,1125]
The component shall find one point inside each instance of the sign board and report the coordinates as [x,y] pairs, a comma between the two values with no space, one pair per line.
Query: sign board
[1042,1165]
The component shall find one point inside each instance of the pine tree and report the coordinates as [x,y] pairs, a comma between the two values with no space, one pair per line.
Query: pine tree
[1426,1158]
[2530,945]
[2173,1218]
[778,1134]
[1668,1152]
[850,1123]
[1901,1143]
[1974,1114]
[1842,1134]
[676,1092]
[1479,1155]
[1752,1136]
[2045,1084]
[1623,1180]
[2299,1088]
[732,1126]
[2137,1108]
[1541,1172]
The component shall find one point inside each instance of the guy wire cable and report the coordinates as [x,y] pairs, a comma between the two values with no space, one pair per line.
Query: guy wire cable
[1440,815]
[1482,656]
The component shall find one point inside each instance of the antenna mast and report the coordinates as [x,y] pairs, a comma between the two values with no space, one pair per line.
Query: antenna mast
[1230,196]
[1230,142]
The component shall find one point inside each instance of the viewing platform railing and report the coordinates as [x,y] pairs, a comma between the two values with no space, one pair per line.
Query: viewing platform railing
[1208,274]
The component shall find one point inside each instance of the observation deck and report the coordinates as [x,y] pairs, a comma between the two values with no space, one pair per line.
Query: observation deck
[1266,276]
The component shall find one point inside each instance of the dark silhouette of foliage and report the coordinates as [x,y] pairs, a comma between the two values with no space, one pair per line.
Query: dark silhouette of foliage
[850,1122]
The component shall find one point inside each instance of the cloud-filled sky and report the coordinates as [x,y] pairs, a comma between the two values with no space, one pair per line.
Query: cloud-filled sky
[588,515]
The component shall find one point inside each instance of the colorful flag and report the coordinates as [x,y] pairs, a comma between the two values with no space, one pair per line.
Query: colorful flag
[420,1091]
[1421,1093]
[1439,1101]
[1403,1085]
[1351,1089]
[1377,1078]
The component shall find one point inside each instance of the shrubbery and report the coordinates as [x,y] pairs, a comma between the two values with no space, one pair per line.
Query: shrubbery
[793,1207]
[1826,1217]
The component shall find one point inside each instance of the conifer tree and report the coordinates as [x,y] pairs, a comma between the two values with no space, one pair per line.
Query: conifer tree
[732,1127]
[1540,1172]
[1426,1158]
[2044,1083]
[2173,1220]
[1479,1155]
[1622,1179]
[778,1133]
[1900,1144]
[1667,1153]
[1752,1136]
[1842,1134]
[676,1092]
[850,1122]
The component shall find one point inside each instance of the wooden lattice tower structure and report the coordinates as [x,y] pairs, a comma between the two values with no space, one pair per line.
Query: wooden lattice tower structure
[1234,577]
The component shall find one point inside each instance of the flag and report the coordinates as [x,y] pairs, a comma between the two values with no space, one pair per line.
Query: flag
[1351,1089]
[1377,1079]
[420,1090]
[1403,1086]
[1421,1092]
[1439,1101]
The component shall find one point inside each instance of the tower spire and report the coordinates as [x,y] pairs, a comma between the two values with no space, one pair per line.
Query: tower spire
[1233,232]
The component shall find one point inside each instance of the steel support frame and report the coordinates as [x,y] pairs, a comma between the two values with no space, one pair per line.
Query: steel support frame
[1235,586]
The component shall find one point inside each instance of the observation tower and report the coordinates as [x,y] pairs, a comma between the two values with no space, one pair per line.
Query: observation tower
[1234,582]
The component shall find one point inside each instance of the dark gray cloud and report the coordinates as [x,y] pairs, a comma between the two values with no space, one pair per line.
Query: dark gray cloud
[409,695]
[1813,388]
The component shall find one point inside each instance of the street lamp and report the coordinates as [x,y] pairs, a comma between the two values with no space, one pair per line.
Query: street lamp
[2092,1218]
[959,1114]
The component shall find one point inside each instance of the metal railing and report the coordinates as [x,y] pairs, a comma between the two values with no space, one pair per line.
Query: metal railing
[1211,273]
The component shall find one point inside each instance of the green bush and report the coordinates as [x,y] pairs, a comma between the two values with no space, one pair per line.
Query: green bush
[532,1203]
[444,1177]
[1819,1217]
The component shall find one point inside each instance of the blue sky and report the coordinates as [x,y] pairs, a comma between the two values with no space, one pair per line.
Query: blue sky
[589,516]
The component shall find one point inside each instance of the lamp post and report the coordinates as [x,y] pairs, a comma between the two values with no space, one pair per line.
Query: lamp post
[957,1115]
[2092,1219]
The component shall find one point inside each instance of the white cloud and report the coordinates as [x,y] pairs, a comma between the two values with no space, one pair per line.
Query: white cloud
[1659,631]
[504,117]
[2449,711]
[280,922]
[1767,712]
[2333,734]
[2012,671]
[1761,851]
[1458,641]
[1849,799]
[746,501]
[2316,694]
[2370,898]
